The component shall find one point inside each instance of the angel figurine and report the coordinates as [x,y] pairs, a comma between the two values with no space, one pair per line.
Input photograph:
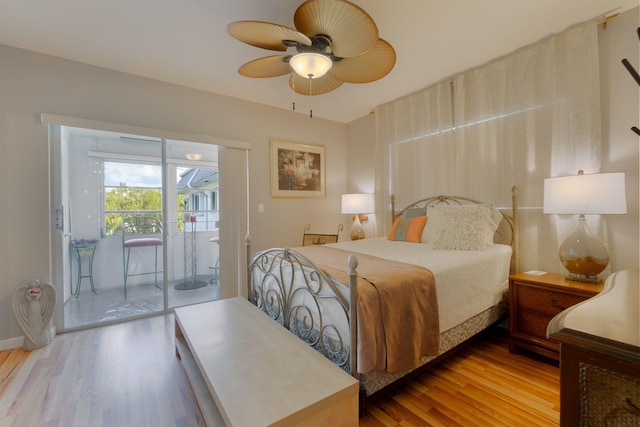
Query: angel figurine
[33,306]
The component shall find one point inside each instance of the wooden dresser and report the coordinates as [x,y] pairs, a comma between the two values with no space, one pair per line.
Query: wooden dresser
[600,356]
[533,301]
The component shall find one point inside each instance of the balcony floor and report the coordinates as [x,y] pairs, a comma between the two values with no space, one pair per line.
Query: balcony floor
[110,304]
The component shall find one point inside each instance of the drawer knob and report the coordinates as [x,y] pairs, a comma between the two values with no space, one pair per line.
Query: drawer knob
[554,303]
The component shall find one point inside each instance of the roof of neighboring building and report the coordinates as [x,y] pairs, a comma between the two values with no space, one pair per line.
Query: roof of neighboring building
[198,179]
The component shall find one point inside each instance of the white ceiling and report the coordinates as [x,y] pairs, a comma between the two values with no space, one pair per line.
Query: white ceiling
[185,41]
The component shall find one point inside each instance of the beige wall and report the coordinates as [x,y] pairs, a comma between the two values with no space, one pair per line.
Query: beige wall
[620,97]
[361,137]
[31,84]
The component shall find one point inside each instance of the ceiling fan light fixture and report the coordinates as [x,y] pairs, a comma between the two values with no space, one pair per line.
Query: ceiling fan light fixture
[310,65]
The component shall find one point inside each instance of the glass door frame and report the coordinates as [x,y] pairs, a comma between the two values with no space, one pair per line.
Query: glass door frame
[59,257]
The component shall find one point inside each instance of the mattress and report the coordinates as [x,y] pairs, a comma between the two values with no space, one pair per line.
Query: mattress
[467,282]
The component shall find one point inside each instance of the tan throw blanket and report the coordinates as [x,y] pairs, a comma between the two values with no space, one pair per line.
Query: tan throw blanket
[398,319]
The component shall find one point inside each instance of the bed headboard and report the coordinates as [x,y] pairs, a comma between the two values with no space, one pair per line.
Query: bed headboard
[506,234]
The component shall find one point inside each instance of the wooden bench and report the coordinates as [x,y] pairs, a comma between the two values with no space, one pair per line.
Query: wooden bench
[247,370]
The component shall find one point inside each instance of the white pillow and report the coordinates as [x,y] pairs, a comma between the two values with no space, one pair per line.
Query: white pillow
[493,221]
[432,225]
[466,227]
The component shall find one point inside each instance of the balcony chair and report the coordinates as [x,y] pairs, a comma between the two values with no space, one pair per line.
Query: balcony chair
[140,226]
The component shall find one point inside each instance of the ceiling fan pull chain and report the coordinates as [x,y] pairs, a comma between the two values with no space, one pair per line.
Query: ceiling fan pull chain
[310,93]
[293,94]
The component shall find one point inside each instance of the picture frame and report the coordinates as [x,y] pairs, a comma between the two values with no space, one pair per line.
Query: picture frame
[297,170]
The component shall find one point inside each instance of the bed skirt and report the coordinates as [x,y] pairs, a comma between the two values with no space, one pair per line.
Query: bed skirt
[373,382]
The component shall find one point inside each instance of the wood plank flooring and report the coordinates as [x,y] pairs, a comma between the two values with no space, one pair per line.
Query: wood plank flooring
[128,375]
[481,385]
[119,375]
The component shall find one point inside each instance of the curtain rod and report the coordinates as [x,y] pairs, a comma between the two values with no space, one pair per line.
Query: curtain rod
[606,19]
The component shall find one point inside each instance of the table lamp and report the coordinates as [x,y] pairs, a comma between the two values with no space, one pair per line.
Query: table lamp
[582,254]
[357,204]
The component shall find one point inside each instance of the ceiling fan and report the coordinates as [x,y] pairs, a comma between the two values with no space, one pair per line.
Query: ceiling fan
[336,42]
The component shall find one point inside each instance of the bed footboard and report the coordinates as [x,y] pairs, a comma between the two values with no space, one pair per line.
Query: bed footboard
[314,306]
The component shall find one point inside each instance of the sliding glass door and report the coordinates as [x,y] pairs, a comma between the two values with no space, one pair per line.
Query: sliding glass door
[193,223]
[137,221]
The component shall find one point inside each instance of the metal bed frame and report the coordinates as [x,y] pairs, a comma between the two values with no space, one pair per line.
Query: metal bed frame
[292,290]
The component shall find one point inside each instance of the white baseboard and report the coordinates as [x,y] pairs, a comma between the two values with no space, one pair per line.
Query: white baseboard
[10,343]
[16,342]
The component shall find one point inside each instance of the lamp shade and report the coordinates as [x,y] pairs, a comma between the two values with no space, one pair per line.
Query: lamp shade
[357,203]
[311,65]
[593,194]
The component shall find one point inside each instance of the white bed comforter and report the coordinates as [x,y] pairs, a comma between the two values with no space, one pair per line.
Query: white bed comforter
[467,282]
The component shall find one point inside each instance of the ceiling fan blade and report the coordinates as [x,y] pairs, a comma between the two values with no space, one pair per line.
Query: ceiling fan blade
[351,29]
[269,66]
[318,86]
[373,65]
[265,34]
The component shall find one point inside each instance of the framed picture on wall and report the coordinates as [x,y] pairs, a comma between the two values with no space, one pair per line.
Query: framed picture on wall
[297,170]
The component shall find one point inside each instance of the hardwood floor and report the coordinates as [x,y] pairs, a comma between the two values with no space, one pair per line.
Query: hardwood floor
[128,375]
[119,375]
[481,385]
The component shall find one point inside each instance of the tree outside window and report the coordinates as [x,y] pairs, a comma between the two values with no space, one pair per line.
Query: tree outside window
[130,189]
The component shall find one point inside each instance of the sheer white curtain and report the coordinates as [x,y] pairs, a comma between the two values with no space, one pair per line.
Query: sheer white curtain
[515,121]
[411,132]
[233,164]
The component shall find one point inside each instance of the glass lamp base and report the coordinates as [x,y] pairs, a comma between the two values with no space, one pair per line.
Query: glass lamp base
[357,232]
[583,255]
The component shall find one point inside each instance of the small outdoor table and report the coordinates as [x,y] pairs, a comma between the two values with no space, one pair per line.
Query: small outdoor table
[190,281]
[84,249]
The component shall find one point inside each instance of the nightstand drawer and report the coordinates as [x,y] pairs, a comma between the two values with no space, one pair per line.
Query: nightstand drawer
[544,301]
[533,324]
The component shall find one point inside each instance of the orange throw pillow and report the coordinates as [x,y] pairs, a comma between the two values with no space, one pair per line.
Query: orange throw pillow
[394,227]
[409,231]
[415,228]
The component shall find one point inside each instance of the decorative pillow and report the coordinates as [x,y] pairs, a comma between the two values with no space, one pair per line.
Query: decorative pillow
[408,230]
[463,227]
[414,212]
[458,230]
[429,231]
[493,221]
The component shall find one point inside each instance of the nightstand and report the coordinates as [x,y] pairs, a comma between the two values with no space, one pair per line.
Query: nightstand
[533,301]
